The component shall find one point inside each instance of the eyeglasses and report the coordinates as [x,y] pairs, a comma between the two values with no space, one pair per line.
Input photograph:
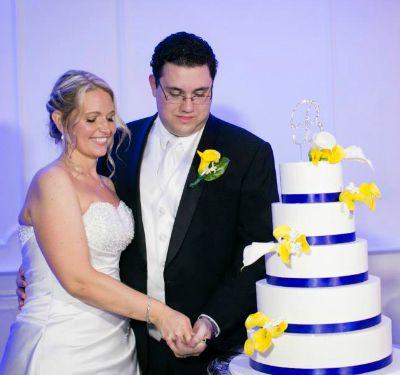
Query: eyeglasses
[178,98]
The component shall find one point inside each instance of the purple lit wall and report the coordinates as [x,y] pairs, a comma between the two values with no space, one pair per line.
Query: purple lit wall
[344,54]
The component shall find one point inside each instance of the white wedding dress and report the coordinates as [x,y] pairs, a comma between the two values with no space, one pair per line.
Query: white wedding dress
[56,333]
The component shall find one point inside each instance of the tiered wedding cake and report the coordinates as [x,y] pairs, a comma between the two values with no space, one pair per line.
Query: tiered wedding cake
[322,291]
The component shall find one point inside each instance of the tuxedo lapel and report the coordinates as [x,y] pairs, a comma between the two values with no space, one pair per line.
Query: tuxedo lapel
[138,146]
[190,196]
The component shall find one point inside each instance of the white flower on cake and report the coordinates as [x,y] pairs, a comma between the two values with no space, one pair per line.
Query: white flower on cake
[289,242]
[273,323]
[324,140]
[352,188]
[325,148]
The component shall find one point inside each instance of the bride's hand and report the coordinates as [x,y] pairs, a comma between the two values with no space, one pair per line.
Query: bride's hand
[21,285]
[172,324]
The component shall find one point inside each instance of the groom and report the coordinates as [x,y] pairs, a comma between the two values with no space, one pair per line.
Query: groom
[188,245]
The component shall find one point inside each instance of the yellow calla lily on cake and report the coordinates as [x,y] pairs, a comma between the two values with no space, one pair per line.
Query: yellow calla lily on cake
[325,148]
[366,193]
[261,330]
[211,167]
[289,242]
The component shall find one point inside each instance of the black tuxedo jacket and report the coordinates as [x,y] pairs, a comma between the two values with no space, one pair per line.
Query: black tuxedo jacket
[214,222]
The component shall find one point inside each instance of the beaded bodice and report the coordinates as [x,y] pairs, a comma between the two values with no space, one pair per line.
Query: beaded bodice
[109,230]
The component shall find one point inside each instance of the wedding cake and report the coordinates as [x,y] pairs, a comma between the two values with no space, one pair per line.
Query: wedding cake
[319,311]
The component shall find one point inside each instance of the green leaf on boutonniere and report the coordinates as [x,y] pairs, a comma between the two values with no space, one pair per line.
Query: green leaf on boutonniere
[210,170]
[220,169]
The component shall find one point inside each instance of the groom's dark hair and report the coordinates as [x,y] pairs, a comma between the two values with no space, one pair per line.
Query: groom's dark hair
[183,49]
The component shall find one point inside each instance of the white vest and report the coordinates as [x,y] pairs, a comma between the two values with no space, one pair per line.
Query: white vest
[160,201]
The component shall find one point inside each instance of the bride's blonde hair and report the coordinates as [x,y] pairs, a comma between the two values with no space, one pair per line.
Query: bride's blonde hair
[67,97]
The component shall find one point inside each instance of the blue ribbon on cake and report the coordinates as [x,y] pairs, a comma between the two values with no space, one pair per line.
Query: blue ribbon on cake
[348,370]
[334,327]
[310,198]
[315,282]
[331,239]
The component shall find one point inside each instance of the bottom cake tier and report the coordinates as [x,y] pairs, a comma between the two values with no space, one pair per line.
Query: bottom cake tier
[370,348]
[240,366]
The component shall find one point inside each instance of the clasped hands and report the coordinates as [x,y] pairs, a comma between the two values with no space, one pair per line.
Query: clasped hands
[192,341]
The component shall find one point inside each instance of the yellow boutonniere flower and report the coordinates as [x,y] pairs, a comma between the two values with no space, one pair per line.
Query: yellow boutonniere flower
[206,158]
[211,167]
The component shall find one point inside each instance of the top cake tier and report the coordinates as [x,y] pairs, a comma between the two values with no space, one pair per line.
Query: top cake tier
[305,178]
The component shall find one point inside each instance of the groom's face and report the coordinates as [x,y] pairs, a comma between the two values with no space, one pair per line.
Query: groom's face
[179,114]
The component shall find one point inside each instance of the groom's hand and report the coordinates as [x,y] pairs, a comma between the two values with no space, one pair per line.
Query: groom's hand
[202,330]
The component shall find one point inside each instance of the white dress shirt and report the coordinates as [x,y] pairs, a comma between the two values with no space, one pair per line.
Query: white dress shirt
[160,199]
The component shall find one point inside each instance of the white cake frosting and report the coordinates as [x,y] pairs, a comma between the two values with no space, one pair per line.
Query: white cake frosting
[314,219]
[306,178]
[341,305]
[322,261]
[329,350]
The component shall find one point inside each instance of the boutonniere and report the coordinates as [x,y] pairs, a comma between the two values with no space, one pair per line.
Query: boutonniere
[212,166]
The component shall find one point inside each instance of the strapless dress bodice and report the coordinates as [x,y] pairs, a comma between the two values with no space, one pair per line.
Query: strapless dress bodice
[109,230]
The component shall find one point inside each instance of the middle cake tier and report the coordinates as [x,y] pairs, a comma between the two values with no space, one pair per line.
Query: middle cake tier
[309,309]
[332,265]
[322,223]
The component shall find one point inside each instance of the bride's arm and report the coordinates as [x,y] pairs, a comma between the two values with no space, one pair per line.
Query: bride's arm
[57,220]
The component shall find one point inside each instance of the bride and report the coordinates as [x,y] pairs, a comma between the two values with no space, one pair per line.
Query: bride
[73,230]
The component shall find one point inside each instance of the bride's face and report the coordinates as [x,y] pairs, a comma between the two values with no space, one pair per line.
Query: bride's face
[95,128]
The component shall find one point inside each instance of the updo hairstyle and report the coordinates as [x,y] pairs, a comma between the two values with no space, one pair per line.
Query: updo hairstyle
[67,97]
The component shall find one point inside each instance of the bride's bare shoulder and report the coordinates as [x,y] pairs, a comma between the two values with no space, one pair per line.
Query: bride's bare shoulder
[51,177]
[53,182]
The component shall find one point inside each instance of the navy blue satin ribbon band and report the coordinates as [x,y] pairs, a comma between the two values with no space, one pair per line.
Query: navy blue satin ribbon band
[334,327]
[331,239]
[310,198]
[349,370]
[315,282]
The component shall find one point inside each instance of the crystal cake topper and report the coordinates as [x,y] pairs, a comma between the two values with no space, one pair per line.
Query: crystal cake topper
[305,121]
